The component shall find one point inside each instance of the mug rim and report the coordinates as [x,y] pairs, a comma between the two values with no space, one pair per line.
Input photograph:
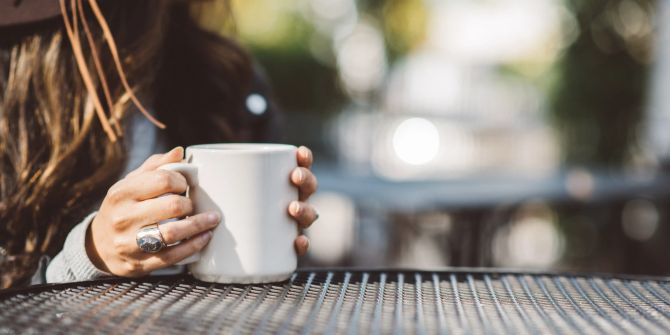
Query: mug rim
[242,147]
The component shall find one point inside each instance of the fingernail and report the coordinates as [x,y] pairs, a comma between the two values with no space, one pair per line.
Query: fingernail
[213,217]
[305,151]
[207,236]
[179,148]
[298,175]
[295,207]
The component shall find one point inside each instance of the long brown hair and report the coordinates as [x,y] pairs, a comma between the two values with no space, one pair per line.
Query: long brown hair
[56,160]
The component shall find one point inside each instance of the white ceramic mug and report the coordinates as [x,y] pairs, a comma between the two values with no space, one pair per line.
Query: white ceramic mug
[249,184]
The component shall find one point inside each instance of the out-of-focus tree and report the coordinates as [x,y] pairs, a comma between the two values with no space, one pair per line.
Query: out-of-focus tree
[297,48]
[282,39]
[599,97]
[404,24]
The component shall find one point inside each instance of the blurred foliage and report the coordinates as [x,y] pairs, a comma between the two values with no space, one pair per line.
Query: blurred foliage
[404,23]
[300,83]
[279,38]
[307,89]
[599,97]
[598,105]
[283,41]
[275,25]
[598,85]
[299,60]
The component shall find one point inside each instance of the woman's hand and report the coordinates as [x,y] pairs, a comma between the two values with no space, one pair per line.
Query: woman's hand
[303,178]
[136,201]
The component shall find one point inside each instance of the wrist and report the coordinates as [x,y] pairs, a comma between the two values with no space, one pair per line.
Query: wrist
[92,250]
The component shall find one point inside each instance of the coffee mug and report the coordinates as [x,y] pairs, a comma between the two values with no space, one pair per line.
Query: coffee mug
[249,185]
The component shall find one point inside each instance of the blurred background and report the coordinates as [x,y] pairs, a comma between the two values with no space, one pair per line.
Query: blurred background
[527,134]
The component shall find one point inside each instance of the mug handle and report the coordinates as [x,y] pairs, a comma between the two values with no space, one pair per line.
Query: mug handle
[190,172]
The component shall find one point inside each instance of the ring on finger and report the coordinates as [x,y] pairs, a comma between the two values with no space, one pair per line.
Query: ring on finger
[149,239]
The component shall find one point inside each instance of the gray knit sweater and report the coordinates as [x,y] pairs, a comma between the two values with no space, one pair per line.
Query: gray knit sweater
[72,263]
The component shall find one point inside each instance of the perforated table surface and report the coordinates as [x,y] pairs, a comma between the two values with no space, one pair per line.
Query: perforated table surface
[341,301]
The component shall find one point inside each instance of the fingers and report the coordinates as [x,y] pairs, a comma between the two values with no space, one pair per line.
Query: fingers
[177,231]
[170,256]
[306,182]
[162,208]
[305,157]
[301,245]
[151,184]
[303,213]
[155,161]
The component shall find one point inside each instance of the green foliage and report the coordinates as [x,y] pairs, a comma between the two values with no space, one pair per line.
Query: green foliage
[598,100]
[301,84]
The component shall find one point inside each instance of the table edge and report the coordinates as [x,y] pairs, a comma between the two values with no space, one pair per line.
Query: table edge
[369,270]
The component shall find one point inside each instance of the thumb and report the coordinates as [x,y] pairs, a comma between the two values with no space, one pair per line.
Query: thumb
[157,160]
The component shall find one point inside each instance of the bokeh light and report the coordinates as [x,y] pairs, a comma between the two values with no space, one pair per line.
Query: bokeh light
[361,59]
[416,141]
[639,219]
[482,31]
[532,239]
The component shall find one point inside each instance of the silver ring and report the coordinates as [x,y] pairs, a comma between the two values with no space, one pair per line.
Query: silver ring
[150,240]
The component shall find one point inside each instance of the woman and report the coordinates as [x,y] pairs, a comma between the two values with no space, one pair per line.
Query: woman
[75,77]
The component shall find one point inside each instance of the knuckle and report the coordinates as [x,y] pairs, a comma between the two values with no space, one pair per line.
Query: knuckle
[168,234]
[133,268]
[175,205]
[188,205]
[119,221]
[192,226]
[199,224]
[163,179]
[154,158]
[178,205]
[118,244]
[115,194]
[182,183]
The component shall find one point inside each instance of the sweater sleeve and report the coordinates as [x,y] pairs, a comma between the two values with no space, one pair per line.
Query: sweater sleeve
[72,263]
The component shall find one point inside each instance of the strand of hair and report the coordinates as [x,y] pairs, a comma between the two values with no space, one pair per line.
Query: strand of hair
[70,28]
[117,62]
[98,67]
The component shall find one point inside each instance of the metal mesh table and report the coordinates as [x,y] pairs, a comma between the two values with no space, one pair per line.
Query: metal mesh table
[341,301]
